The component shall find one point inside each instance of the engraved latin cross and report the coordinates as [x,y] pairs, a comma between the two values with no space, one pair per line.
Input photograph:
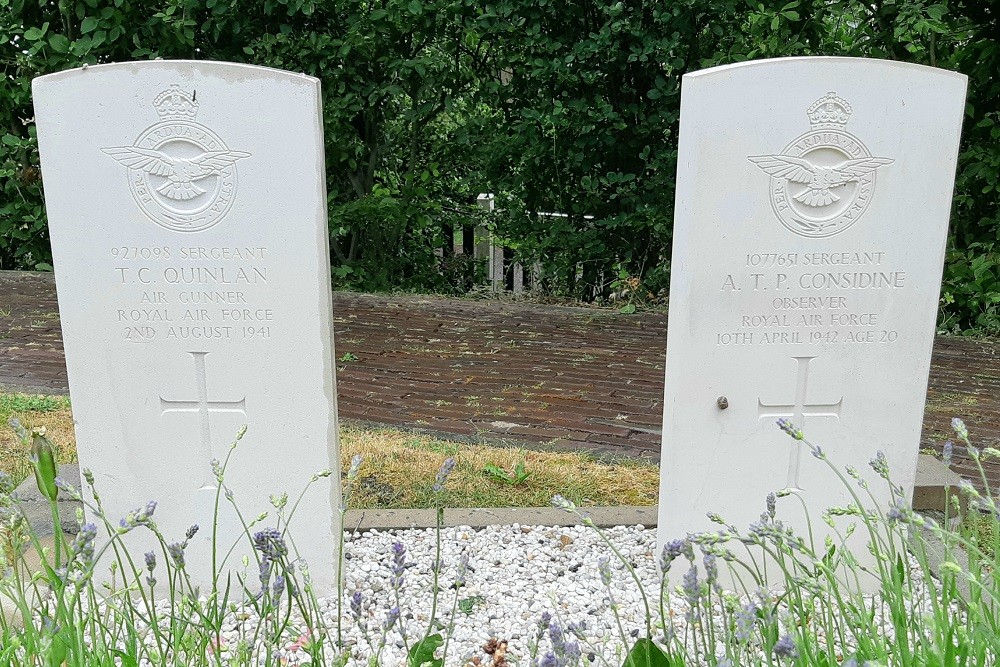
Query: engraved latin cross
[202,406]
[797,412]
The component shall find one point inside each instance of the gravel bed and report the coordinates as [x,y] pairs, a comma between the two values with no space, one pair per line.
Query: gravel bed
[516,574]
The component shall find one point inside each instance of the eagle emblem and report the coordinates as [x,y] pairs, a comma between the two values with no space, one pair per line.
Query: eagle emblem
[823,181]
[181,174]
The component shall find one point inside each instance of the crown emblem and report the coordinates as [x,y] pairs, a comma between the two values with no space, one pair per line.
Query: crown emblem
[829,111]
[175,104]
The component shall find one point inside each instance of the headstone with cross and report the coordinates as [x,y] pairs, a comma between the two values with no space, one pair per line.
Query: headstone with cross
[190,246]
[811,214]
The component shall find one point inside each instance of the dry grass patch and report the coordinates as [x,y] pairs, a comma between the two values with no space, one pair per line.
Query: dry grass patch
[52,412]
[400,466]
[399,469]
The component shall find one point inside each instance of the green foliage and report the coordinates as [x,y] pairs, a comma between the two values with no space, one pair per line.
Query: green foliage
[970,295]
[647,654]
[567,108]
[516,478]
[422,653]
[14,402]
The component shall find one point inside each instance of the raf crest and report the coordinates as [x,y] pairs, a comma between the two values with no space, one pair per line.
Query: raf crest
[824,180]
[181,174]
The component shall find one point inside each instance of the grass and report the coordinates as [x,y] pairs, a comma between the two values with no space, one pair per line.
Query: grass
[399,466]
[795,601]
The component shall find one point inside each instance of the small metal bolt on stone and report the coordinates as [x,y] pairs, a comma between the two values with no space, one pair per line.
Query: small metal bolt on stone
[722,402]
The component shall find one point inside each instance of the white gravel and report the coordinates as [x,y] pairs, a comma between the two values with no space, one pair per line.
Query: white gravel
[516,574]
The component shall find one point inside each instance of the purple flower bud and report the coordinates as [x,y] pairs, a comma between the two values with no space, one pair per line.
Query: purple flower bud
[604,567]
[442,475]
[150,561]
[279,586]
[561,503]
[772,505]
[671,552]
[270,544]
[398,564]
[947,451]
[391,619]
[191,532]
[462,571]
[746,619]
[785,648]
[356,606]
[788,427]
[960,429]
[176,551]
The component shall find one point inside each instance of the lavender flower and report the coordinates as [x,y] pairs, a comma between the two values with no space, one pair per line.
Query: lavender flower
[83,545]
[947,452]
[356,606]
[549,660]
[270,544]
[880,465]
[690,586]
[772,505]
[544,621]
[557,638]
[278,587]
[176,551]
[604,567]
[66,487]
[150,565]
[462,571]
[711,570]
[191,532]
[264,574]
[398,564]
[788,427]
[671,551]
[390,620]
[137,517]
[442,475]
[897,511]
[746,618]
[960,429]
[561,503]
[785,648]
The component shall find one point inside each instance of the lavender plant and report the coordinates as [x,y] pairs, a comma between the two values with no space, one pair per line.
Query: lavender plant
[796,599]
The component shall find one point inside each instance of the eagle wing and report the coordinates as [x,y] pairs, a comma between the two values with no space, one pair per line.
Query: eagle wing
[854,168]
[212,162]
[782,166]
[149,161]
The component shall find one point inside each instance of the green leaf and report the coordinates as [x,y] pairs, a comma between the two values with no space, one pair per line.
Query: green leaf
[647,654]
[415,7]
[89,25]
[627,309]
[422,653]
[59,43]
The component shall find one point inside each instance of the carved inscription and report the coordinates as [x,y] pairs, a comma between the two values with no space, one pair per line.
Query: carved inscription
[797,412]
[201,405]
[192,293]
[812,298]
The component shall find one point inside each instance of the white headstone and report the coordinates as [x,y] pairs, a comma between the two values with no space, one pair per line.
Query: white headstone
[812,205]
[187,211]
